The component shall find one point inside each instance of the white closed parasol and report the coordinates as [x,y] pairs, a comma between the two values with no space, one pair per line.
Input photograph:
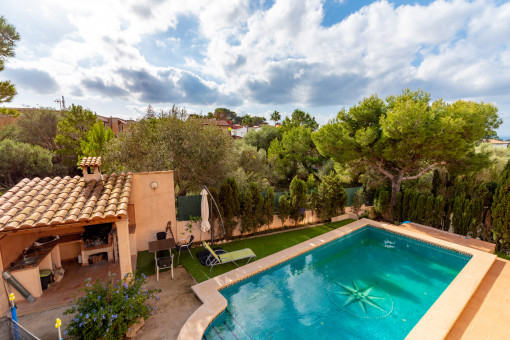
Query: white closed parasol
[205,226]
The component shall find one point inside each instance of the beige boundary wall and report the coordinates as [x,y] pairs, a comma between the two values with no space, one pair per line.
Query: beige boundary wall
[435,324]
[310,218]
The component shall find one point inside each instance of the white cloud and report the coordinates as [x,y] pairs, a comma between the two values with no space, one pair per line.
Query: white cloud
[252,58]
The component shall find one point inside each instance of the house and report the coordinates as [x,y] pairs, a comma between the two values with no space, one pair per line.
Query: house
[130,207]
[498,143]
[116,124]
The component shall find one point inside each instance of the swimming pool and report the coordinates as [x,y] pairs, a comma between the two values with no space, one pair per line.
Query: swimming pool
[368,284]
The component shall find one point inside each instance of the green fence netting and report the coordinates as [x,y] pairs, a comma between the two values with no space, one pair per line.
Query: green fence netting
[190,205]
[350,194]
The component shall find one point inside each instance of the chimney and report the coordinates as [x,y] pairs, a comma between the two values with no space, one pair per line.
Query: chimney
[90,167]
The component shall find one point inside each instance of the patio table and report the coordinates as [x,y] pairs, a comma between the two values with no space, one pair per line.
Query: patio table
[164,262]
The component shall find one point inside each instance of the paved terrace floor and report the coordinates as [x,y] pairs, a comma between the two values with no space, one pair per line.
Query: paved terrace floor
[487,314]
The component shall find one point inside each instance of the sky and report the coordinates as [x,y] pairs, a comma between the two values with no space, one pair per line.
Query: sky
[116,57]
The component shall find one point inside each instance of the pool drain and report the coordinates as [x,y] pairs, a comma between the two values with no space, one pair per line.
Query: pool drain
[368,301]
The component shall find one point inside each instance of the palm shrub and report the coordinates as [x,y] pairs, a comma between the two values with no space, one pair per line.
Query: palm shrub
[332,197]
[501,211]
[230,205]
[297,199]
[110,307]
[283,208]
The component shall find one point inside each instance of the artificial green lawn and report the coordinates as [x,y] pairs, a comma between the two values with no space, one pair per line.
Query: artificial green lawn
[262,246]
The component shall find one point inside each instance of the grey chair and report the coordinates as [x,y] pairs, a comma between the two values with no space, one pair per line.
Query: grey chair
[187,243]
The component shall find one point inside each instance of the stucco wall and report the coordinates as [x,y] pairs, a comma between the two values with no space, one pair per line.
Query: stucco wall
[277,223]
[153,207]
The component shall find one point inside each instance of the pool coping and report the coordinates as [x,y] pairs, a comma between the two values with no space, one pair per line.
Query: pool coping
[435,324]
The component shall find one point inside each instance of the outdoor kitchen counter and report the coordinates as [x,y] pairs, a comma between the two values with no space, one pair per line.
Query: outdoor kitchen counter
[43,252]
[28,275]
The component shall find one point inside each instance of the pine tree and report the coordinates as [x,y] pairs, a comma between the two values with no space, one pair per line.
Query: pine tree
[8,39]
[94,142]
[501,211]
[72,129]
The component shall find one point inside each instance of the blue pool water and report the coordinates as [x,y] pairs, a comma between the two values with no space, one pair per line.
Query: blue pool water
[369,284]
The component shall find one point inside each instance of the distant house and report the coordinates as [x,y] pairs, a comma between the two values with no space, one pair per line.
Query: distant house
[498,143]
[116,124]
[6,120]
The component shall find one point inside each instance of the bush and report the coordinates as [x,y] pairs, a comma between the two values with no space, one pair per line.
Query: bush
[110,307]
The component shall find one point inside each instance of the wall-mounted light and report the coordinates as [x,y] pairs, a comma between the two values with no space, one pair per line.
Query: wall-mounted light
[154,185]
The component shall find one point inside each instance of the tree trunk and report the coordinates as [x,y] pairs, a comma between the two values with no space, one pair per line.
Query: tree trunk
[396,182]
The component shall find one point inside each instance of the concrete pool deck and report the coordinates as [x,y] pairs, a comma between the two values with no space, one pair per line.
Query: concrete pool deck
[435,324]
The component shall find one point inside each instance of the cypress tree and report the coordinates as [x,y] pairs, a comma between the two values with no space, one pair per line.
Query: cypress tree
[439,206]
[437,182]
[230,205]
[413,206]
[501,211]
[283,208]
[421,203]
[429,211]
[405,205]
[252,209]
[331,198]
[269,206]
[298,199]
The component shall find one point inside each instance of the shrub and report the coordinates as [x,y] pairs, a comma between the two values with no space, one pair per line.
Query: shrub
[110,307]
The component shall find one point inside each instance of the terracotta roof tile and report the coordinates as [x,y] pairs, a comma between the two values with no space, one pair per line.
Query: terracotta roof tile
[51,201]
[90,161]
